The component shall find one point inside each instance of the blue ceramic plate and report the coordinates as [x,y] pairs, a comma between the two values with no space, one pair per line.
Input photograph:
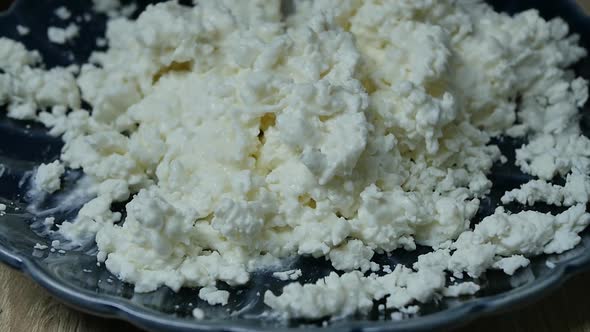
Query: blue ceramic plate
[75,278]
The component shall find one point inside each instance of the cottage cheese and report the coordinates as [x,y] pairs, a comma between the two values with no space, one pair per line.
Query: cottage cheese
[238,138]
[22,30]
[288,275]
[62,13]
[48,177]
[213,295]
[62,35]
[575,191]
[199,314]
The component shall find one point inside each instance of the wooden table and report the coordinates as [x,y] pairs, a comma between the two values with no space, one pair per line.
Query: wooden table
[25,307]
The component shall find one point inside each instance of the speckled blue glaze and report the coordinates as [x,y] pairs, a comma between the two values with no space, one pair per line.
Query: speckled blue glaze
[75,278]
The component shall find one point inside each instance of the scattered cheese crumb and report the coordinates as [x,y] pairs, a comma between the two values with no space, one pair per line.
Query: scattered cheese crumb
[198,314]
[288,275]
[22,30]
[213,296]
[48,177]
[465,288]
[510,264]
[101,42]
[39,246]
[62,35]
[63,13]
[49,221]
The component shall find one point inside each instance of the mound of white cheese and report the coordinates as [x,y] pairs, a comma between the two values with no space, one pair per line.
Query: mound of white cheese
[352,127]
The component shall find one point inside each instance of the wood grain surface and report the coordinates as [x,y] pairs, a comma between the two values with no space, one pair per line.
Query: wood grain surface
[26,307]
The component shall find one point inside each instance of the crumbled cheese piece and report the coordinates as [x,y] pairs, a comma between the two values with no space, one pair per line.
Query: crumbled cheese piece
[198,314]
[575,191]
[25,88]
[533,233]
[48,177]
[213,295]
[62,35]
[39,246]
[63,13]
[465,288]
[128,10]
[101,42]
[22,30]
[550,155]
[15,58]
[114,8]
[288,275]
[104,6]
[2,207]
[510,264]
[330,296]
[550,264]
[525,233]
[351,256]
[410,310]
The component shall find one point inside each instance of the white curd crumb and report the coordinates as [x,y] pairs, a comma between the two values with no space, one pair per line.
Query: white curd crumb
[22,30]
[464,288]
[39,246]
[62,35]
[213,296]
[63,13]
[47,178]
[101,42]
[510,264]
[235,138]
[288,275]
[198,314]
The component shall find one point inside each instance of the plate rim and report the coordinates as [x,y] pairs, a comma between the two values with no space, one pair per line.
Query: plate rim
[152,320]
